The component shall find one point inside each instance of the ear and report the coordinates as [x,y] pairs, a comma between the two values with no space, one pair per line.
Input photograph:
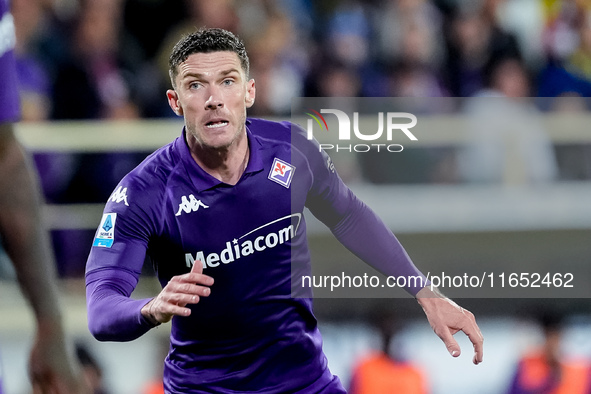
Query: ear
[250,93]
[173,101]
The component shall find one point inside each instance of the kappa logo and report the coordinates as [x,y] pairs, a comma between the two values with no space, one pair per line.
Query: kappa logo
[190,205]
[119,195]
[330,164]
[281,172]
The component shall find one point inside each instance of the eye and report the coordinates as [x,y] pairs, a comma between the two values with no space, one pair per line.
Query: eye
[228,82]
[194,85]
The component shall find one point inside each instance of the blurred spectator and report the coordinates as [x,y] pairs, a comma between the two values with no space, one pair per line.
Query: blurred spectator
[33,78]
[149,22]
[506,142]
[507,77]
[555,80]
[277,65]
[98,79]
[278,61]
[93,373]
[198,14]
[383,372]
[580,60]
[337,80]
[348,34]
[410,49]
[560,37]
[33,68]
[408,79]
[474,39]
[410,31]
[545,370]
[574,159]
[567,43]
[348,39]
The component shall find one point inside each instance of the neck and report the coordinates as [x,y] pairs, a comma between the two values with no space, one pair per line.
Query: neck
[225,164]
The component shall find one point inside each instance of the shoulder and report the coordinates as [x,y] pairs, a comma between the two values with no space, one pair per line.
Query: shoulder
[146,184]
[304,151]
[156,168]
[283,132]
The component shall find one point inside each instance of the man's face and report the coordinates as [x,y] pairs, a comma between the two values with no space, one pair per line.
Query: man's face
[212,94]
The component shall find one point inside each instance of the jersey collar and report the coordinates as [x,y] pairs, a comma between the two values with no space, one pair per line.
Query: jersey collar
[200,179]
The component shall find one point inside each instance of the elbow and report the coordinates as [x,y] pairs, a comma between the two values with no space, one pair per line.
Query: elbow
[106,322]
[106,333]
[100,336]
[99,330]
[112,315]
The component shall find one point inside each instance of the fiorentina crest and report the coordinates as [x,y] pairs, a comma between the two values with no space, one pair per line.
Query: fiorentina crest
[281,172]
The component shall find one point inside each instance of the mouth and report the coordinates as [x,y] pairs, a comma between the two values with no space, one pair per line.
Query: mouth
[216,123]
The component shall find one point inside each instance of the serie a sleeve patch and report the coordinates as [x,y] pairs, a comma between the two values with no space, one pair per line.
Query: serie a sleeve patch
[105,234]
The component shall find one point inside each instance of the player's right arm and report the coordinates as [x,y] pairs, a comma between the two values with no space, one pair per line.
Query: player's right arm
[130,220]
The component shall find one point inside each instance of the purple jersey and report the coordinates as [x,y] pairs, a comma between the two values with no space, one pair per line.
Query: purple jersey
[9,98]
[250,334]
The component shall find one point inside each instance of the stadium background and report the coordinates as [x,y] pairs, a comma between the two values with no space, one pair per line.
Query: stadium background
[93,75]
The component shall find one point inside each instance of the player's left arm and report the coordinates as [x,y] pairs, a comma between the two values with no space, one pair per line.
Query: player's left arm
[359,229]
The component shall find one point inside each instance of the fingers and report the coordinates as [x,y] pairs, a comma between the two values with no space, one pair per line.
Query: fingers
[180,291]
[450,343]
[447,318]
[475,336]
[472,332]
[197,267]
[163,312]
[194,276]
[183,294]
[469,327]
[174,298]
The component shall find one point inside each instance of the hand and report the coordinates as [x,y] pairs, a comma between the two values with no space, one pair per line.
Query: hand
[180,291]
[51,366]
[447,318]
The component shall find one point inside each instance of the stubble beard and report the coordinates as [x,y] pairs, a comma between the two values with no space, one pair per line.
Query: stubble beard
[202,145]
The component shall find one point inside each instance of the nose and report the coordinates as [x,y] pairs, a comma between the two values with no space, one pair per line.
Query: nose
[215,100]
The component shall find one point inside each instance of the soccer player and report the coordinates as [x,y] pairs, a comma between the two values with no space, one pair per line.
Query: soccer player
[219,212]
[51,364]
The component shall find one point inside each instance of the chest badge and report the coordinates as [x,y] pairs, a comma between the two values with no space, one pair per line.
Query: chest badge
[281,172]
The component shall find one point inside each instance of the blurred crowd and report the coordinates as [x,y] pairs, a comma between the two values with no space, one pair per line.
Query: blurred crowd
[107,59]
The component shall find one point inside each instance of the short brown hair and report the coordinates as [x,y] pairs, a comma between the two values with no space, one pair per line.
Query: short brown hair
[205,41]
